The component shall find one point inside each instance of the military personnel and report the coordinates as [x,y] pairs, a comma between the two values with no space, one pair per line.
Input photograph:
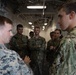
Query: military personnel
[66,59]
[10,62]
[31,34]
[19,41]
[52,47]
[37,46]
[49,53]
[51,38]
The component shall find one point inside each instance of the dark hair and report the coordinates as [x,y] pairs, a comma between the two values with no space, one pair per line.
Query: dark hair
[51,33]
[68,7]
[31,34]
[37,27]
[19,26]
[58,30]
[60,33]
[4,19]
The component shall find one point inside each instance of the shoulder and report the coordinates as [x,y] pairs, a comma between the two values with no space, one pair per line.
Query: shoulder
[8,53]
[8,58]
[15,36]
[73,31]
[41,37]
[24,36]
[68,40]
[49,41]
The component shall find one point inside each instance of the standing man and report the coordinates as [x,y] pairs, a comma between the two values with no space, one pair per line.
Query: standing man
[10,62]
[37,46]
[19,41]
[66,60]
[53,50]
[31,35]
[50,48]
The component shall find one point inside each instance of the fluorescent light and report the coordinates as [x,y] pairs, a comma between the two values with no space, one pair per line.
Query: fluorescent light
[36,7]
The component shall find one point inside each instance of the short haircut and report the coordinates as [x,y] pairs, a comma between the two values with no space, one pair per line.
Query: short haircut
[58,30]
[4,19]
[37,27]
[31,32]
[51,33]
[19,26]
[68,7]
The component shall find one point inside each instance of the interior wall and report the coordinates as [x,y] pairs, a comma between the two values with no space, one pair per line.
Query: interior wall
[16,20]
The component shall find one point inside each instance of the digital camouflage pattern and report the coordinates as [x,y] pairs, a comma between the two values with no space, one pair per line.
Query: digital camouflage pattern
[66,59]
[11,63]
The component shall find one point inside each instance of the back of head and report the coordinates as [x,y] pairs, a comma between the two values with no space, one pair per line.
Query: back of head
[31,34]
[68,7]
[52,35]
[3,20]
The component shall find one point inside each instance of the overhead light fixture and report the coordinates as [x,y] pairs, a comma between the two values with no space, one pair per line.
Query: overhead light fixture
[45,24]
[36,7]
[30,23]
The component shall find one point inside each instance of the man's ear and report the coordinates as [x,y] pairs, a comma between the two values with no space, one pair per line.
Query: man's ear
[72,14]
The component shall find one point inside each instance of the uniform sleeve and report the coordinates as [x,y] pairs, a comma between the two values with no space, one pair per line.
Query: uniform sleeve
[67,57]
[13,44]
[18,66]
[24,68]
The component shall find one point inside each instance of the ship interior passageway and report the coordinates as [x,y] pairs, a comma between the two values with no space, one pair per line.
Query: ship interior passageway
[35,28]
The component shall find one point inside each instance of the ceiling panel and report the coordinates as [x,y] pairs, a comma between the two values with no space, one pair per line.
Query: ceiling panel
[38,17]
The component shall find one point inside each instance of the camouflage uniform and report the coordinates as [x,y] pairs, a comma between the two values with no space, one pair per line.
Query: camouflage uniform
[52,54]
[19,43]
[66,59]
[11,63]
[37,47]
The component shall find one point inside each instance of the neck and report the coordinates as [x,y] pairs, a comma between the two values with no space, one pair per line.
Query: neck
[36,36]
[71,27]
[1,42]
[19,33]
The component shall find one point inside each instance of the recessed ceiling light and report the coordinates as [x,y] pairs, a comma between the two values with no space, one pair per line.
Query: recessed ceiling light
[30,23]
[45,24]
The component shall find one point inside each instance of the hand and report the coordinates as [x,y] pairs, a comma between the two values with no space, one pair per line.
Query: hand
[27,59]
[51,47]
